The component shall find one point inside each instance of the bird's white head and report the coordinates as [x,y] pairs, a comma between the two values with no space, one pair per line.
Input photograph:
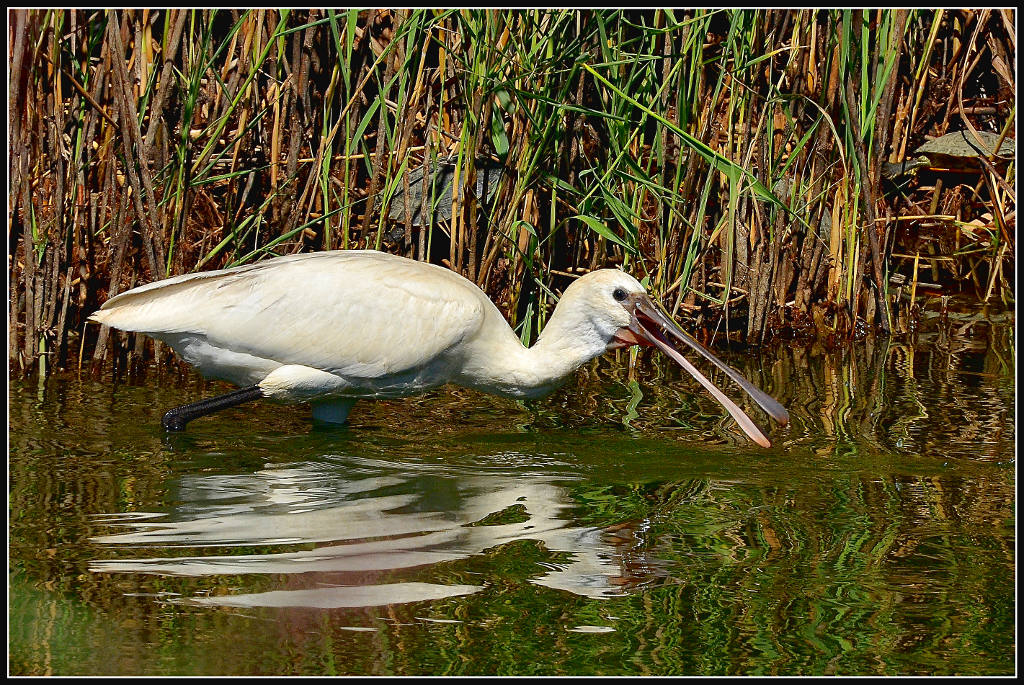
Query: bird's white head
[609,309]
[599,305]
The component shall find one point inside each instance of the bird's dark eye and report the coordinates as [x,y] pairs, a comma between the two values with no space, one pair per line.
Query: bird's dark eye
[619,294]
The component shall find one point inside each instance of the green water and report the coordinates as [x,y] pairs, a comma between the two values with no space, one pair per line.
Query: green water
[622,526]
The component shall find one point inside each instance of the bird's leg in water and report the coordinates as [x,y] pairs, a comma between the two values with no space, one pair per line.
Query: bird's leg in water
[175,419]
[333,411]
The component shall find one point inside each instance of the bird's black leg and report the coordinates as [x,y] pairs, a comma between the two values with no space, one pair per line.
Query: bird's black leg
[175,419]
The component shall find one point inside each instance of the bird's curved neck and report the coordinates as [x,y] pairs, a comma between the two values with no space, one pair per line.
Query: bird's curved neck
[517,371]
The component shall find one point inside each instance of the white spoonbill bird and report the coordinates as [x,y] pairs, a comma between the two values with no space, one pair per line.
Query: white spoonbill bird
[329,328]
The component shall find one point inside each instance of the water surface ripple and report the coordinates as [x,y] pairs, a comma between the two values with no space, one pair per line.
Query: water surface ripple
[622,526]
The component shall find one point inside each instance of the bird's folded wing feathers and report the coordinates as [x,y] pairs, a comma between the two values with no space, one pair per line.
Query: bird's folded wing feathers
[359,314]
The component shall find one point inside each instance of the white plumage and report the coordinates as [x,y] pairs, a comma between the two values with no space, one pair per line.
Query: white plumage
[332,327]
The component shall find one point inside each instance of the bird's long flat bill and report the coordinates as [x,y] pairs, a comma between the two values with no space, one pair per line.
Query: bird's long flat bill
[650,323]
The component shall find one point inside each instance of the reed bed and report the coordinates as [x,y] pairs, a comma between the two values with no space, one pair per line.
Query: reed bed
[730,159]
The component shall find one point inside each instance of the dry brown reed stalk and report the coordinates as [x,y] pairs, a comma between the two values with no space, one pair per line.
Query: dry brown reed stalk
[733,158]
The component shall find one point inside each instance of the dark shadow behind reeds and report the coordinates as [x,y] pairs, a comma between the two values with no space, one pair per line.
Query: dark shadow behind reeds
[729,158]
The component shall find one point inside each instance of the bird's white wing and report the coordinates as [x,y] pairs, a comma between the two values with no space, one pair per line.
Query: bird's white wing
[354,313]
